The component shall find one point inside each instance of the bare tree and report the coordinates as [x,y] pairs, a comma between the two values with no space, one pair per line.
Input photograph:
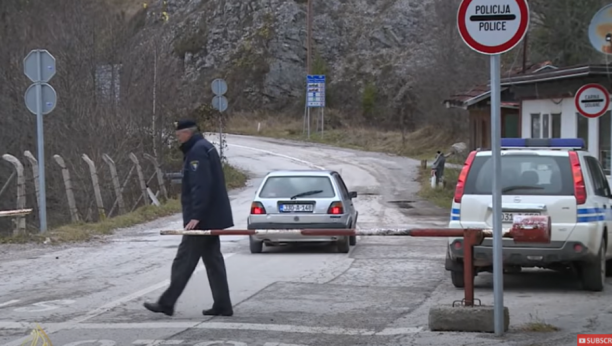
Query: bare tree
[106,83]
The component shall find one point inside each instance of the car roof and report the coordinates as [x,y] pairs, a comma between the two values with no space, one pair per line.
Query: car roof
[301,172]
[543,152]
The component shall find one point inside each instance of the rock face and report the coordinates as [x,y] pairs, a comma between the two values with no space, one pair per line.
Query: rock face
[259,47]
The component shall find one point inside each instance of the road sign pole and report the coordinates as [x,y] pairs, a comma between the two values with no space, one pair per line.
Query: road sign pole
[308,120]
[601,43]
[42,203]
[493,27]
[322,120]
[219,102]
[40,99]
[498,270]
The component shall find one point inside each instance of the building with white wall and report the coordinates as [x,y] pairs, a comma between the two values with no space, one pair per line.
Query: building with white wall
[546,109]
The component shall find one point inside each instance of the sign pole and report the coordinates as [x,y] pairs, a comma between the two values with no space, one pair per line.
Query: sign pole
[498,270]
[219,102]
[42,198]
[493,27]
[40,99]
[308,122]
[322,120]
[602,42]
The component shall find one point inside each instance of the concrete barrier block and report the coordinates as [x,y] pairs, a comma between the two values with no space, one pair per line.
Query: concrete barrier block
[465,319]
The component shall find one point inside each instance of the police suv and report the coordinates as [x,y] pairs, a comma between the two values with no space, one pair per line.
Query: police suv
[554,177]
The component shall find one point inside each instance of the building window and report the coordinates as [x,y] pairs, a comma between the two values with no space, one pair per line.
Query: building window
[536,128]
[545,125]
[604,141]
[556,125]
[582,125]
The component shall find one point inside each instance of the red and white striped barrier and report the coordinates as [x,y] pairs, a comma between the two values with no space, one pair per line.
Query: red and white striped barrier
[19,212]
[527,229]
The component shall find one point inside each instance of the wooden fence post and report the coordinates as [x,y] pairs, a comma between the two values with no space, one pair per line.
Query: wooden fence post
[34,163]
[96,186]
[141,179]
[160,175]
[115,177]
[74,214]
[20,223]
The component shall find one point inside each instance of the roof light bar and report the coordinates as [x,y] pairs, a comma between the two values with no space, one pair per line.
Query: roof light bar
[573,143]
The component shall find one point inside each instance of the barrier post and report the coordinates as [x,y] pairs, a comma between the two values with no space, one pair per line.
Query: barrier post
[471,238]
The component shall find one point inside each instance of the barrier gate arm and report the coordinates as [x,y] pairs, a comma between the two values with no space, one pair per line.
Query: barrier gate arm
[534,229]
[18,212]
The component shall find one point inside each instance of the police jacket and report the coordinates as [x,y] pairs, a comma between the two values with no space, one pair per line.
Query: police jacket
[204,195]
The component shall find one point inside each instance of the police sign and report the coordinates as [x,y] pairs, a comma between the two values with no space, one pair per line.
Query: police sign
[493,26]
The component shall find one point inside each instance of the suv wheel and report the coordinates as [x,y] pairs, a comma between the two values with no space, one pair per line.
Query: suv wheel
[594,273]
[343,244]
[255,245]
[352,240]
[457,279]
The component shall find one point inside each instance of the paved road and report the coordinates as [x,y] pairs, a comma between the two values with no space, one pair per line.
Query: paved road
[379,294]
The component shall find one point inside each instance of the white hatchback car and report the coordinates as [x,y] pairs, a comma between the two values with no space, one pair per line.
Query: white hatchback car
[307,199]
[540,177]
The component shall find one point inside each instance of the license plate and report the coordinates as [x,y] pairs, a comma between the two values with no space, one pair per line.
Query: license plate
[509,217]
[296,208]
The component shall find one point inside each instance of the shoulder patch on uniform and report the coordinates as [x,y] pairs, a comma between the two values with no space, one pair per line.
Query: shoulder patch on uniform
[194,165]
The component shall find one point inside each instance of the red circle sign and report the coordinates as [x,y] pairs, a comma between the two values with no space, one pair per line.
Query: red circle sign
[493,26]
[592,100]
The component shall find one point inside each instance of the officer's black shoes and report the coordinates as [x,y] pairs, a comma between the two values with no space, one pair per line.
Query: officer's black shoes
[155,307]
[213,312]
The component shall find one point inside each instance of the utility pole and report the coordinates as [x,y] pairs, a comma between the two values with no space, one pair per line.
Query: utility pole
[309,16]
[525,45]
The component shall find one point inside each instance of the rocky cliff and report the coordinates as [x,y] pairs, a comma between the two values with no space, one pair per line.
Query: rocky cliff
[259,47]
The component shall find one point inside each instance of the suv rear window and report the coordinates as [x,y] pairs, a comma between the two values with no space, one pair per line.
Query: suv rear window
[523,174]
[288,186]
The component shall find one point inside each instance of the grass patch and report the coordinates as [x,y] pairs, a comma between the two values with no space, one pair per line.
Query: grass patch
[234,178]
[340,132]
[537,325]
[80,232]
[441,196]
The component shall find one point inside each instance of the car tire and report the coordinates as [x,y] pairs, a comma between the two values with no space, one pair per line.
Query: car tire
[457,279]
[343,245]
[352,240]
[256,246]
[593,274]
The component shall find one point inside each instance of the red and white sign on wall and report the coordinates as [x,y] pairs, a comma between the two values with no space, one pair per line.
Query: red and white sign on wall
[493,26]
[592,100]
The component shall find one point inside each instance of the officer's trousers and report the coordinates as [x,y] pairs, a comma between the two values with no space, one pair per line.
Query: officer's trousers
[191,249]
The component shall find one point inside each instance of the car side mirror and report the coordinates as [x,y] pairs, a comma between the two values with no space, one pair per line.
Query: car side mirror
[353,194]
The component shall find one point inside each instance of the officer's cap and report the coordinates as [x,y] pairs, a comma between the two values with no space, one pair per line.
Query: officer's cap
[184,124]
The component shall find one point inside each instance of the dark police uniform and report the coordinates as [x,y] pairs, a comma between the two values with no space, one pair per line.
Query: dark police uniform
[204,198]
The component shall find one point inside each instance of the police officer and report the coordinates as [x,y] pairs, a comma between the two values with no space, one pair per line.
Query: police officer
[206,206]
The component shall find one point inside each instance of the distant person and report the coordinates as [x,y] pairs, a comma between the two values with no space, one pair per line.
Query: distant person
[438,165]
[206,206]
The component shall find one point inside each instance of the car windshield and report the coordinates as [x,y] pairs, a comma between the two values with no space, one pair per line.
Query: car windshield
[523,175]
[289,186]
